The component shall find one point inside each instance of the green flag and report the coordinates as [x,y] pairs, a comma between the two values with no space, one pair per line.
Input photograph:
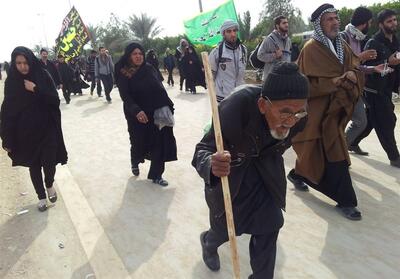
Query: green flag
[204,28]
[73,36]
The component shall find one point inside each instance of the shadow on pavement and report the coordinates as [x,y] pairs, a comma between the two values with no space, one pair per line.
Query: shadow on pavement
[90,111]
[140,225]
[359,249]
[383,167]
[17,235]
[191,97]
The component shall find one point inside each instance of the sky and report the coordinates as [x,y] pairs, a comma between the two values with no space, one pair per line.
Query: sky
[27,22]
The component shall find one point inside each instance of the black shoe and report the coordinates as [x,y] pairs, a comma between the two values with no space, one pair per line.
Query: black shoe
[297,182]
[211,259]
[135,170]
[161,182]
[357,150]
[395,163]
[350,212]
[52,194]
[68,102]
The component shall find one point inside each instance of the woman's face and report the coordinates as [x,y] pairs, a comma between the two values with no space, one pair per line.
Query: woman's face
[22,64]
[137,57]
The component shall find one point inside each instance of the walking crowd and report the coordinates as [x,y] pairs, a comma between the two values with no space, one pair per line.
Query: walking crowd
[337,90]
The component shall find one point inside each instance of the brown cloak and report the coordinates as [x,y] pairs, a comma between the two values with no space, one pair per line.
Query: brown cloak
[329,109]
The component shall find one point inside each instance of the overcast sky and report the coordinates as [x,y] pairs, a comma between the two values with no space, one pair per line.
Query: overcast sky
[27,22]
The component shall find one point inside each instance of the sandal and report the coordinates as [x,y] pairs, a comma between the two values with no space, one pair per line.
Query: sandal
[161,182]
[135,170]
[350,212]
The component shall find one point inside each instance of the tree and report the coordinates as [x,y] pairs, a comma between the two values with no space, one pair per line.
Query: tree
[245,26]
[143,28]
[345,14]
[94,34]
[114,36]
[36,50]
[274,8]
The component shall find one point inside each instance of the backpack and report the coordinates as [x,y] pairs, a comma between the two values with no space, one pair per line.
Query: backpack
[221,49]
[256,63]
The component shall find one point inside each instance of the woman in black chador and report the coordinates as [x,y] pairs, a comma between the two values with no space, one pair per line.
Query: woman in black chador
[31,122]
[152,59]
[148,111]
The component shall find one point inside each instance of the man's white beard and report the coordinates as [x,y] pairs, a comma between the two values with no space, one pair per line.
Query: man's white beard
[276,135]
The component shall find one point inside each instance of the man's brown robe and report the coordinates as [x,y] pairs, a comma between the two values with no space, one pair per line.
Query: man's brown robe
[329,109]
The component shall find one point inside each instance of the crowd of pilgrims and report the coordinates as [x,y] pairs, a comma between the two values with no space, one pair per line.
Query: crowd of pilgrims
[306,105]
[31,118]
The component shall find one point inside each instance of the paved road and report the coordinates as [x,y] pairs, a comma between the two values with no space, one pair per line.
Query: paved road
[117,226]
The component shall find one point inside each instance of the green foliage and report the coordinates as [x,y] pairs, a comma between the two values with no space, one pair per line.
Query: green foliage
[274,8]
[143,28]
[114,35]
[245,26]
[345,14]
[94,35]
[261,29]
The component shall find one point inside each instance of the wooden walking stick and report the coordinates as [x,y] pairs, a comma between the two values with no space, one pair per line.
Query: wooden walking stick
[224,180]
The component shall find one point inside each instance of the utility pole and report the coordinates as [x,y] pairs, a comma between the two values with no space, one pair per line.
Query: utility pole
[41,15]
[200,6]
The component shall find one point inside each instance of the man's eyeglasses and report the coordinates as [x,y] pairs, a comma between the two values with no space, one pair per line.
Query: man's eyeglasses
[289,116]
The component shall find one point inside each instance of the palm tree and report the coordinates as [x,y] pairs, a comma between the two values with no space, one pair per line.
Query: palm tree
[94,35]
[143,27]
[36,50]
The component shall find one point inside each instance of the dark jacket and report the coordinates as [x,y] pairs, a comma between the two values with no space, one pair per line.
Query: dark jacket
[6,67]
[375,83]
[77,82]
[145,92]
[66,74]
[52,69]
[152,60]
[192,69]
[90,65]
[179,56]
[169,62]
[246,136]
[31,122]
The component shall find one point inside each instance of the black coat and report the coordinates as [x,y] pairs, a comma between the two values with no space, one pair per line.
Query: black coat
[31,122]
[76,84]
[179,60]
[152,60]
[145,92]
[193,69]
[246,136]
[384,48]
[52,69]
[66,74]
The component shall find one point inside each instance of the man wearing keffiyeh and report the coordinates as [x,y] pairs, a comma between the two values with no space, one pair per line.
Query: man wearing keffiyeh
[335,85]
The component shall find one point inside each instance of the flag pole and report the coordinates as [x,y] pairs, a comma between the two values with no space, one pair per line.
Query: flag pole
[224,180]
[201,6]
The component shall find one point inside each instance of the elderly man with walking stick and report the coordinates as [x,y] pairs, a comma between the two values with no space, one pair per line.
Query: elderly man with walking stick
[257,124]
